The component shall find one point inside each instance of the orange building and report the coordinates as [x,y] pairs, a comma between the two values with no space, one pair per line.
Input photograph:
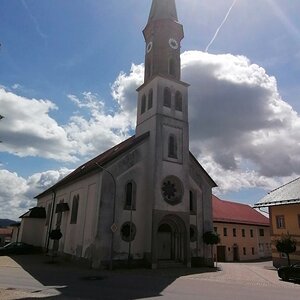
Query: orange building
[244,232]
[284,210]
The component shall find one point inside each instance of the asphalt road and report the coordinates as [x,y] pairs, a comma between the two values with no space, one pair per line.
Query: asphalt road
[31,277]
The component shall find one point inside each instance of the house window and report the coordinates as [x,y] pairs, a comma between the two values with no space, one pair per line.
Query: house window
[234,231]
[130,192]
[225,231]
[178,101]
[150,99]
[252,250]
[261,232]
[143,104]
[74,212]
[299,221]
[243,232]
[280,222]
[172,66]
[216,229]
[244,251]
[251,232]
[167,97]
[192,203]
[172,146]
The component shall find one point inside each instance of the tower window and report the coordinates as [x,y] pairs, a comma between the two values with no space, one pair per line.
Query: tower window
[172,146]
[143,104]
[130,192]
[178,101]
[150,99]
[148,69]
[192,203]
[167,97]
[172,67]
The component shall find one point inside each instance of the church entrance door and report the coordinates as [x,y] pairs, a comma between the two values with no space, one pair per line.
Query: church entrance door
[171,240]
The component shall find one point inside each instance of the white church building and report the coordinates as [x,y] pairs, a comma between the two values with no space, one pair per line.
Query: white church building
[147,200]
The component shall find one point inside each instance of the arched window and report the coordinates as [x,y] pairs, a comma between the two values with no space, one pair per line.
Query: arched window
[167,97]
[74,212]
[172,67]
[148,69]
[150,99]
[143,104]
[130,191]
[178,101]
[192,203]
[172,146]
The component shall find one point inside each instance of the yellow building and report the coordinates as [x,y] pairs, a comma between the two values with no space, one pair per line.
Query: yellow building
[244,232]
[284,210]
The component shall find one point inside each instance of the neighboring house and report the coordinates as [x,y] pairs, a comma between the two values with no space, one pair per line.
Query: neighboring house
[244,232]
[146,200]
[284,210]
[5,236]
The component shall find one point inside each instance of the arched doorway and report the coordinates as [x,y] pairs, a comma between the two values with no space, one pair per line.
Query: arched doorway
[171,239]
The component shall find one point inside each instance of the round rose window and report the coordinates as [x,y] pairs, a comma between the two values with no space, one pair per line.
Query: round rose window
[172,190]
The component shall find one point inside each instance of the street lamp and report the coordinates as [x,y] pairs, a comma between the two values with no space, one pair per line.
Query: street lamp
[113,226]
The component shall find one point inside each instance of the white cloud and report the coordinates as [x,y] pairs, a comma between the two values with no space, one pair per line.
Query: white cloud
[17,192]
[241,130]
[28,129]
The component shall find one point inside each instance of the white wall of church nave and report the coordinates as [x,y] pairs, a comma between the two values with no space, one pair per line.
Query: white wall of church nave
[76,237]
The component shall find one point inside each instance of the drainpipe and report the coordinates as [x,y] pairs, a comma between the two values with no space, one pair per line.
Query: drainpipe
[51,220]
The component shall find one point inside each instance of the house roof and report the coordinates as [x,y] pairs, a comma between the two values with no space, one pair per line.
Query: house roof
[286,194]
[6,231]
[238,213]
[101,160]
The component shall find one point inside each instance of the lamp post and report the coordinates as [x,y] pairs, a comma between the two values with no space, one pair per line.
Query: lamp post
[113,226]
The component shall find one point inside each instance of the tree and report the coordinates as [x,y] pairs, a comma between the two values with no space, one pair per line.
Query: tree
[286,244]
[211,238]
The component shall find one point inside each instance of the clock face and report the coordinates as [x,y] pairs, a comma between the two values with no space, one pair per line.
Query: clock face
[173,43]
[149,47]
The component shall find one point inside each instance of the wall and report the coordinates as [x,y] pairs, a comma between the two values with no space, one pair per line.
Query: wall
[291,214]
[261,245]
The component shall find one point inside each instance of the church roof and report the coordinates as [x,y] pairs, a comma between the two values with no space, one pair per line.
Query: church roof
[237,213]
[163,9]
[285,194]
[101,160]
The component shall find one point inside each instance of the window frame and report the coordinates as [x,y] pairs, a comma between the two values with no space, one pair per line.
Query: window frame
[74,211]
[167,97]
[280,221]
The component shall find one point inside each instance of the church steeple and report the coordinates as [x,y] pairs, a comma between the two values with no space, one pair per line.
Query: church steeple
[163,9]
[163,35]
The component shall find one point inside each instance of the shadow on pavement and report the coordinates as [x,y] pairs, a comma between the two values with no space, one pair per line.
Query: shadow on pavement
[79,282]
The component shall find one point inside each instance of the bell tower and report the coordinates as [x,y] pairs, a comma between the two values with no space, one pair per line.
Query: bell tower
[162,111]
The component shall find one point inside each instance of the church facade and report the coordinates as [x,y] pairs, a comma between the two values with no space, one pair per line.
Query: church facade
[146,200]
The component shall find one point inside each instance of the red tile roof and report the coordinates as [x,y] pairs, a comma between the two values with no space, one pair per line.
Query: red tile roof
[6,231]
[238,213]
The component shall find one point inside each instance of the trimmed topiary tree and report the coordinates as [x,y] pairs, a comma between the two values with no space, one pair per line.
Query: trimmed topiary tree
[286,244]
[211,238]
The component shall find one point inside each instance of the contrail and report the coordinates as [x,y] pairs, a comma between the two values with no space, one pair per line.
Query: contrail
[37,27]
[219,28]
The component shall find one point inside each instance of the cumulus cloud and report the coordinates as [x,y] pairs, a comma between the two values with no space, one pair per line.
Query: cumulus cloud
[241,130]
[29,130]
[15,201]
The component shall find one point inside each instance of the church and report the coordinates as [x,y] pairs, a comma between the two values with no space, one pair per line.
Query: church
[147,200]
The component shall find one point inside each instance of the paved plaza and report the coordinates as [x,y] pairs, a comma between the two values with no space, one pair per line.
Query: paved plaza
[31,277]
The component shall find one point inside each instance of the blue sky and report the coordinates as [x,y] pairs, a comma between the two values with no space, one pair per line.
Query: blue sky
[69,69]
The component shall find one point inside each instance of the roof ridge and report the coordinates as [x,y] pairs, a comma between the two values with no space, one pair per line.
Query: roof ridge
[284,185]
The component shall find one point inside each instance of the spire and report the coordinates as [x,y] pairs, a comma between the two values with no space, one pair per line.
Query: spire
[163,9]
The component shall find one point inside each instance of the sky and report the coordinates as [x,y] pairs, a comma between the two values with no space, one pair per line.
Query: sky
[69,70]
